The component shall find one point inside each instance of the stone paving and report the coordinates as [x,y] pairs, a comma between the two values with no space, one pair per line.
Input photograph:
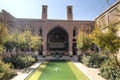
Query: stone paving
[92,73]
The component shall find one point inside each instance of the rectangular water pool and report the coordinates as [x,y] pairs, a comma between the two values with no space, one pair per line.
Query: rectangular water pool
[58,70]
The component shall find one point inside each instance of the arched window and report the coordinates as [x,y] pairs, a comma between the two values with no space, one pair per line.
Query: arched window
[40,32]
[74,31]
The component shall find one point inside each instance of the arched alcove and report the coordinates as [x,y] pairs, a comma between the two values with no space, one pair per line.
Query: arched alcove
[57,39]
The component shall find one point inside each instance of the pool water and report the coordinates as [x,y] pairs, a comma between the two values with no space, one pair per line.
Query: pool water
[57,70]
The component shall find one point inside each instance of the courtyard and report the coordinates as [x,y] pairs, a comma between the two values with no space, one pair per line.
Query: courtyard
[35,70]
[57,47]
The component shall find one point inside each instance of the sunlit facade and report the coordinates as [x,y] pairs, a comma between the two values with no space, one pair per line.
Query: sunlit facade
[59,35]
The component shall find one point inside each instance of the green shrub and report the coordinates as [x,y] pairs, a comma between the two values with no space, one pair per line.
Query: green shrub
[93,60]
[6,71]
[110,70]
[21,60]
[1,49]
[86,60]
[80,57]
[96,60]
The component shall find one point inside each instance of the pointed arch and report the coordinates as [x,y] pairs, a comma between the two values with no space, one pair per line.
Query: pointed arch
[57,39]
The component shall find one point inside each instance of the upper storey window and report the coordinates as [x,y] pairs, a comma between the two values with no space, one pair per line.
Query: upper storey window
[74,31]
[40,32]
[70,11]
[44,10]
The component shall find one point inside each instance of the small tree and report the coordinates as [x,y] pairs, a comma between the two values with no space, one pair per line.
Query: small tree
[83,41]
[35,42]
[107,40]
[10,41]
[28,40]
[24,40]
[3,33]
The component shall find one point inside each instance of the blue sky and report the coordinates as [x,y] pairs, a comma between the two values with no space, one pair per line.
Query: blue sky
[82,9]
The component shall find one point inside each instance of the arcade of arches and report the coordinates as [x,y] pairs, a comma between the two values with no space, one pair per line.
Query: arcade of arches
[60,39]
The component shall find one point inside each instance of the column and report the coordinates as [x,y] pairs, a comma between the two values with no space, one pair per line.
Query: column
[44,42]
[70,45]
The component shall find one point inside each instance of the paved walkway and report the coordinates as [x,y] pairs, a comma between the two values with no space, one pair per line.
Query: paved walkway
[92,73]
